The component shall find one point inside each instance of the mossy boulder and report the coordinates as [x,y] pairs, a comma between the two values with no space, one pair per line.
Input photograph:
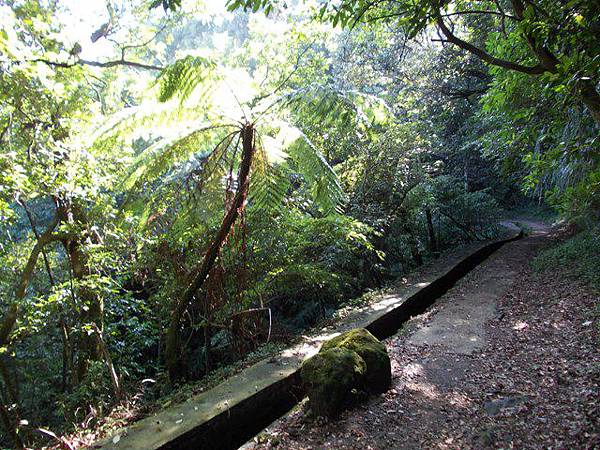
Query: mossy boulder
[346,367]
[331,378]
[378,376]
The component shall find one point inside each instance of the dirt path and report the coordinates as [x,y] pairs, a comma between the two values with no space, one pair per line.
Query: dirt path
[506,359]
[461,315]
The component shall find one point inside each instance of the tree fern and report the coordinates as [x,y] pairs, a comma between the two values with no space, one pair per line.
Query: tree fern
[269,188]
[205,141]
[149,119]
[295,154]
[326,189]
[333,106]
[329,107]
[183,77]
[164,154]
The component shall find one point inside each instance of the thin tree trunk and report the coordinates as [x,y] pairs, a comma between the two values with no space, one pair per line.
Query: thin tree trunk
[465,229]
[207,347]
[37,237]
[109,364]
[92,305]
[67,355]
[590,97]
[173,338]
[413,244]
[66,352]
[433,246]
[12,314]
[466,172]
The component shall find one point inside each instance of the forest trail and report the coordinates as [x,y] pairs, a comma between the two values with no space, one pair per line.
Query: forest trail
[458,323]
[503,359]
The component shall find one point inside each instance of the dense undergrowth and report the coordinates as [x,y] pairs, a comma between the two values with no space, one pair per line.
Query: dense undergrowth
[579,255]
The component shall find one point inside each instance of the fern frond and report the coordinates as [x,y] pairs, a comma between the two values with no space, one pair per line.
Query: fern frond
[269,188]
[182,77]
[332,106]
[164,154]
[291,154]
[180,80]
[326,189]
[144,121]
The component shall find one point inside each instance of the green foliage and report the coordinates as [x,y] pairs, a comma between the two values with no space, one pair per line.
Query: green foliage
[269,190]
[183,76]
[253,5]
[479,211]
[94,390]
[162,156]
[579,203]
[325,186]
[553,147]
[172,5]
[310,259]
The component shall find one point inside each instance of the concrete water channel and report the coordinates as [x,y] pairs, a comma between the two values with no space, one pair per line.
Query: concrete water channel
[231,413]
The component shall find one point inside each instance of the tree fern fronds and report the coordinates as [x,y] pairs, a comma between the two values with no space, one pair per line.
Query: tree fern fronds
[182,77]
[331,105]
[325,185]
[270,182]
[269,188]
[214,164]
[161,156]
[124,126]
[115,122]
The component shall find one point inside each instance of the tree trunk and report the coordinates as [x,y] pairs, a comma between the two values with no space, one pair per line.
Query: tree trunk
[207,346]
[173,351]
[433,246]
[67,356]
[413,244]
[91,305]
[590,97]
[109,364]
[12,314]
[469,233]
[62,323]
[92,311]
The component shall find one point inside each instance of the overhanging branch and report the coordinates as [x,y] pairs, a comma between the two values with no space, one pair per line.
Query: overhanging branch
[482,54]
[102,64]
[480,11]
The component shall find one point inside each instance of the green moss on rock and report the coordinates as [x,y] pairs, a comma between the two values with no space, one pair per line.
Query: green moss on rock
[378,376]
[330,377]
[346,366]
